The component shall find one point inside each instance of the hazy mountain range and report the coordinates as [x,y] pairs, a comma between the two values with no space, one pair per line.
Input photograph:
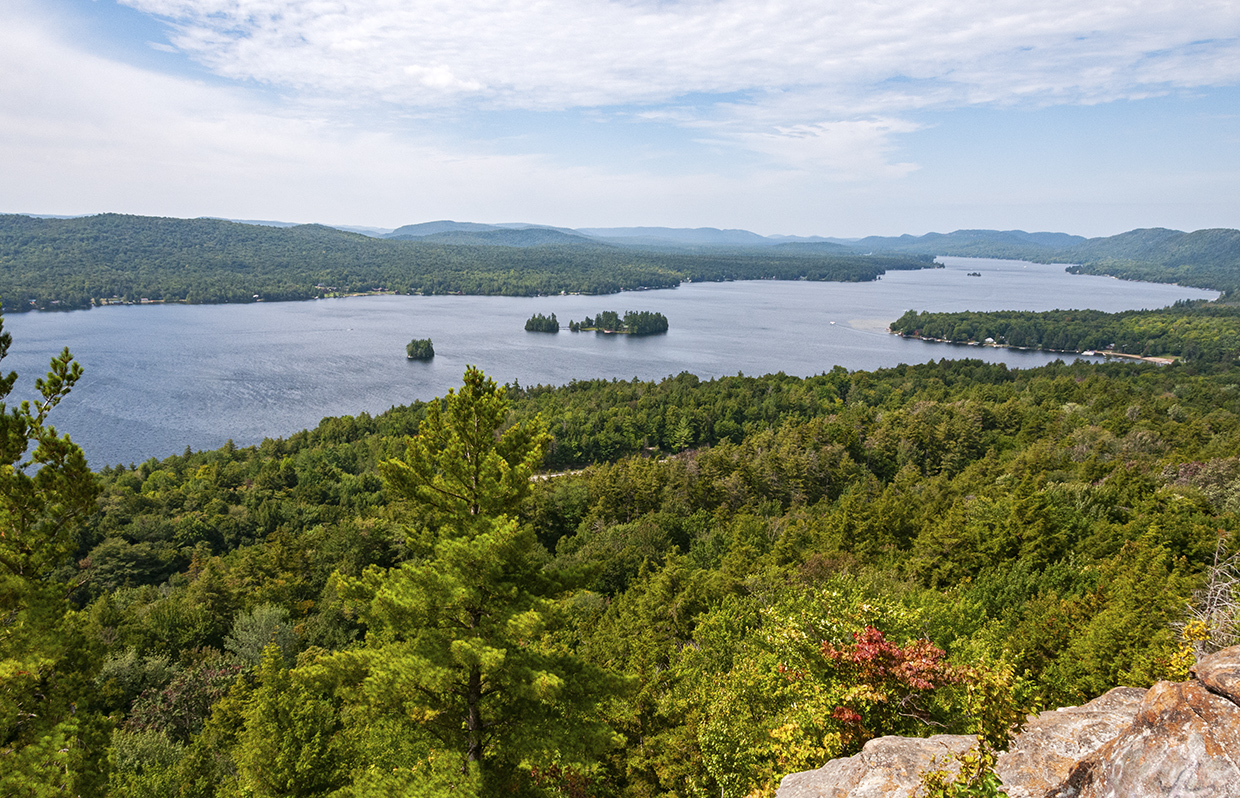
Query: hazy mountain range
[1204,258]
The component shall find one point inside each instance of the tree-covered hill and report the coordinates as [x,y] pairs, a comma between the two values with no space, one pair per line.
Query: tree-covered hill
[441,226]
[1014,244]
[68,263]
[1203,259]
[747,576]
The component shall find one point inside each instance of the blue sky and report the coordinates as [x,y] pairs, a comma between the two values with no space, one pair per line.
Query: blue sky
[807,117]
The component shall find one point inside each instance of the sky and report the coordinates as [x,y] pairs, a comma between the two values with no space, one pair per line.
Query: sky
[796,117]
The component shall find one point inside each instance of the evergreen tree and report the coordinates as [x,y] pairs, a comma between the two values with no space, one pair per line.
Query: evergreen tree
[645,322]
[540,323]
[289,747]
[608,321]
[50,740]
[459,637]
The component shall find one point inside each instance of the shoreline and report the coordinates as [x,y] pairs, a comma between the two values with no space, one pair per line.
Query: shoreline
[1158,361]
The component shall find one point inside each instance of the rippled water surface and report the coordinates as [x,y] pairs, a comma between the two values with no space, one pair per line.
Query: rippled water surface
[163,377]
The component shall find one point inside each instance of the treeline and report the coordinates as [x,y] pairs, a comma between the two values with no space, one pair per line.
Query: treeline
[989,541]
[70,263]
[642,322]
[1195,331]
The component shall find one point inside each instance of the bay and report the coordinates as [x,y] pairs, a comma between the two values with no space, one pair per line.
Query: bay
[159,378]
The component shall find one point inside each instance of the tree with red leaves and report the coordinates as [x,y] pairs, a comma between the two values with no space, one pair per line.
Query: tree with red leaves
[891,685]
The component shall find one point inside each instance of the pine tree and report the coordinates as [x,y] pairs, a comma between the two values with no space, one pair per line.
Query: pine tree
[50,741]
[459,636]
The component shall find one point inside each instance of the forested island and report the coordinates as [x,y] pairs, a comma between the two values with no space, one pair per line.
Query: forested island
[540,323]
[420,349]
[632,323]
[1196,331]
[681,587]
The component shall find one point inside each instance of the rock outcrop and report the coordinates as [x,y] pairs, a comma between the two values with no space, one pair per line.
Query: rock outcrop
[1185,741]
[886,766]
[1175,739]
[1051,744]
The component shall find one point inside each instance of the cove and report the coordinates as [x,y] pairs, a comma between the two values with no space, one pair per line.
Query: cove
[161,378]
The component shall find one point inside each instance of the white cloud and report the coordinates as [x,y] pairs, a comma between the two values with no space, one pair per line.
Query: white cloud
[440,78]
[802,78]
[571,53]
[849,151]
[797,112]
[83,134]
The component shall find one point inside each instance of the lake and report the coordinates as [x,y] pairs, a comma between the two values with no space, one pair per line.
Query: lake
[160,378]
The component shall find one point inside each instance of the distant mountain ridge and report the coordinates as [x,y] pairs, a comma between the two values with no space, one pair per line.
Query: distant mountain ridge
[980,243]
[1203,258]
[526,237]
[519,234]
[1207,258]
[974,243]
[697,236]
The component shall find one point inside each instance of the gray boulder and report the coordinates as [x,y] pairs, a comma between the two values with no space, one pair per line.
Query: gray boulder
[886,766]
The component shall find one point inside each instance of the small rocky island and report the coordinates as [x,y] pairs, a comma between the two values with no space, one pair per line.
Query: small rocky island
[420,349]
[633,323]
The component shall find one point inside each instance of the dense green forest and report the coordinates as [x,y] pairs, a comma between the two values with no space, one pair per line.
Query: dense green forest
[711,584]
[1195,331]
[70,263]
[1204,259]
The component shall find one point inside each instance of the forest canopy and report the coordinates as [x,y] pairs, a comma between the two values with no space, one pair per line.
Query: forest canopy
[690,590]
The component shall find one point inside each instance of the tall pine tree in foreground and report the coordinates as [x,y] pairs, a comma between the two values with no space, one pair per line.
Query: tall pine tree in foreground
[50,741]
[461,641]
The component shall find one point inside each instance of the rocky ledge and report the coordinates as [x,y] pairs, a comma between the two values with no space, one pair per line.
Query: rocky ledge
[1174,739]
